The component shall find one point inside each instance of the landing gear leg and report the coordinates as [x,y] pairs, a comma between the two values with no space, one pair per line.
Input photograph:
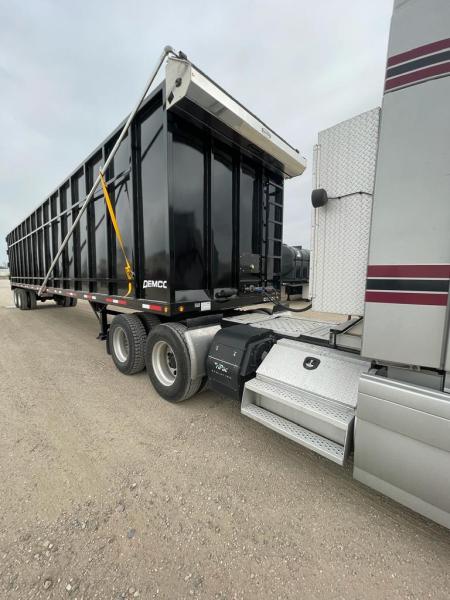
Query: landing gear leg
[103,320]
[101,312]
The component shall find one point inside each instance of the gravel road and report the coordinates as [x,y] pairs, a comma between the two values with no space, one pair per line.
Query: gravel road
[110,492]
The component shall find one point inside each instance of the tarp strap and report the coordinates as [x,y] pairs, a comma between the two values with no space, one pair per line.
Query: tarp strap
[128,269]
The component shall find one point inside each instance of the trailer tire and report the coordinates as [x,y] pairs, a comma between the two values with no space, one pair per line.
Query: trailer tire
[149,320]
[65,301]
[22,297]
[60,300]
[16,297]
[126,338]
[32,299]
[168,363]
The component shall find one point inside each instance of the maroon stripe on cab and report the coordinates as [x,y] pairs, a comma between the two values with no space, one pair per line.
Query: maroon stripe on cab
[407,298]
[418,271]
[420,51]
[416,76]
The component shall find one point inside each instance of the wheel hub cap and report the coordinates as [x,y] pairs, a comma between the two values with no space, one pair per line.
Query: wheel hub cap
[164,363]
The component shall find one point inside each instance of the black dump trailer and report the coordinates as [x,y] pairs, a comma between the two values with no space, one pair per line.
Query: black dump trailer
[197,190]
[294,269]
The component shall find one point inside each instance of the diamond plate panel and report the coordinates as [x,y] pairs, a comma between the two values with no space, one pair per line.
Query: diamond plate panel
[336,378]
[286,324]
[295,327]
[248,318]
[344,163]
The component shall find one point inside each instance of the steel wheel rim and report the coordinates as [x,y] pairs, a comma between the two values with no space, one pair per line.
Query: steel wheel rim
[19,300]
[121,345]
[164,363]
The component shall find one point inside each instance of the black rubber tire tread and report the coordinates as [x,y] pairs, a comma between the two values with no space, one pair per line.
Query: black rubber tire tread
[136,334]
[194,387]
[203,381]
[61,300]
[149,320]
[32,299]
[73,301]
[24,299]
[183,387]
[15,298]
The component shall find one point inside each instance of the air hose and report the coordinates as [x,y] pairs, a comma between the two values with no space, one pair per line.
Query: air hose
[283,306]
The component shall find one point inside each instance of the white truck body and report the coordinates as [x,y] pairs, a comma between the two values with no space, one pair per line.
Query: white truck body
[384,377]
[406,311]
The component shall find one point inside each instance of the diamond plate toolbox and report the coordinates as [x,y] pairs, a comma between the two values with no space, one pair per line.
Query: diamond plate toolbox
[344,165]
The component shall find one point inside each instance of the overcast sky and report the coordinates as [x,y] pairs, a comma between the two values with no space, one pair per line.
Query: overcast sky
[71,70]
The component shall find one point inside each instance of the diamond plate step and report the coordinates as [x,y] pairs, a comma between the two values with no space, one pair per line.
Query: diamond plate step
[296,326]
[335,379]
[287,324]
[302,436]
[313,390]
[325,418]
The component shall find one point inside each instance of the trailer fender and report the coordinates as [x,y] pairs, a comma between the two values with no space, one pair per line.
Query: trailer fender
[198,342]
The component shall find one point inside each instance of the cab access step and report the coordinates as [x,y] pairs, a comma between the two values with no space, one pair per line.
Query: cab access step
[304,391]
[308,394]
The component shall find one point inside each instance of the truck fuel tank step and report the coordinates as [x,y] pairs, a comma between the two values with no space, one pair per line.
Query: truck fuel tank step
[330,374]
[296,433]
[330,420]
[307,393]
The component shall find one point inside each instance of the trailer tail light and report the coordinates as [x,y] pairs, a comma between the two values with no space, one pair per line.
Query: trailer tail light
[116,301]
[156,307]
